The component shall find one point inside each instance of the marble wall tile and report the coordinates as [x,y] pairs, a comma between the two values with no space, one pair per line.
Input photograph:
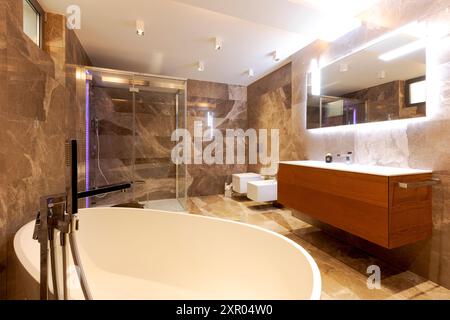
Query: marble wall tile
[388,147]
[318,145]
[24,76]
[3,153]
[36,118]
[275,80]
[428,145]
[270,107]
[3,8]
[228,106]
[207,89]
[54,30]
[18,40]
[75,53]
[3,64]
[237,93]
[54,43]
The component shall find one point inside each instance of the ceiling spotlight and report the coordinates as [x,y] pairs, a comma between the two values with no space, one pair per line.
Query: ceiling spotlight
[201,66]
[276,56]
[251,73]
[382,74]
[140,27]
[343,67]
[218,44]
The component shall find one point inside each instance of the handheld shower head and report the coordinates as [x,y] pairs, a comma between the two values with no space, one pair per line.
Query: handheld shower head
[97,125]
[72,176]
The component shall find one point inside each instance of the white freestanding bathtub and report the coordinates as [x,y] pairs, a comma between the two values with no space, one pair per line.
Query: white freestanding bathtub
[146,254]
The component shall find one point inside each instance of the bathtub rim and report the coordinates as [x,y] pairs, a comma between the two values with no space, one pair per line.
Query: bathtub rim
[31,268]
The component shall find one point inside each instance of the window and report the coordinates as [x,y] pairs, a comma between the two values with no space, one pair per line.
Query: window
[416,92]
[32,20]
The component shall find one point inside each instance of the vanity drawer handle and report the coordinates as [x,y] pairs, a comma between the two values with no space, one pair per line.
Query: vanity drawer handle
[419,184]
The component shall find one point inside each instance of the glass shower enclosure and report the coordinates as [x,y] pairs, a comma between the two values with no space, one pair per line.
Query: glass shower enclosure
[130,119]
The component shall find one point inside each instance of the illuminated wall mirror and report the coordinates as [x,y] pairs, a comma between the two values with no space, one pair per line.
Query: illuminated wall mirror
[385,80]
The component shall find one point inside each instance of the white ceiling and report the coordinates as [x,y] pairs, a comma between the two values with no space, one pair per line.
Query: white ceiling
[179,33]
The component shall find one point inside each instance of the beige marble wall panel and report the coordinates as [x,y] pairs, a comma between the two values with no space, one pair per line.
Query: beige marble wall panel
[228,106]
[36,119]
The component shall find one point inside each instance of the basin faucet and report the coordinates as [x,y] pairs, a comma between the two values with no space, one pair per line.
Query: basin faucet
[347,158]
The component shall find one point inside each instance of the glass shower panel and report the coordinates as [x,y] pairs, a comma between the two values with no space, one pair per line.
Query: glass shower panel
[131,121]
[157,117]
[111,138]
[182,168]
[155,173]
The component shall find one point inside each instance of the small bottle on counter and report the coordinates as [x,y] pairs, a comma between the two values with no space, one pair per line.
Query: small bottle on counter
[328,158]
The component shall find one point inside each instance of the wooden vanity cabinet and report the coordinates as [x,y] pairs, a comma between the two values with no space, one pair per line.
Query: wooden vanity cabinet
[372,207]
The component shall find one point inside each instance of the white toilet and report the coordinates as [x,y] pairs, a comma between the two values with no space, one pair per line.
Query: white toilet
[241,180]
[263,191]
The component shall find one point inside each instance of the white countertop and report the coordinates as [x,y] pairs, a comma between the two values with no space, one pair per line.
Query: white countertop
[358,168]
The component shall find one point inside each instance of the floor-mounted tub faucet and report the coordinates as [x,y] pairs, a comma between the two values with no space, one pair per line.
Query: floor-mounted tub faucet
[59,213]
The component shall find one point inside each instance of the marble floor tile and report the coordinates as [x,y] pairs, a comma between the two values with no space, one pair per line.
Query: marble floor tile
[343,267]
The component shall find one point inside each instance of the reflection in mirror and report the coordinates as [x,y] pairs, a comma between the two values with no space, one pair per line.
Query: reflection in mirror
[384,81]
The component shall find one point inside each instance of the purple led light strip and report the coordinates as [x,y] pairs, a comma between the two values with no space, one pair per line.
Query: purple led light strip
[88,117]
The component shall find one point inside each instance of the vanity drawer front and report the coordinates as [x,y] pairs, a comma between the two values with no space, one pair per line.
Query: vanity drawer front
[354,202]
[363,187]
[410,211]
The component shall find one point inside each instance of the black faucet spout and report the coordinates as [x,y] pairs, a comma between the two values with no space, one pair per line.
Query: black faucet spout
[104,190]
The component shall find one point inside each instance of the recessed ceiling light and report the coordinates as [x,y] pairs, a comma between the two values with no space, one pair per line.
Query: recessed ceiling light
[201,66]
[343,67]
[218,44]
[140,27]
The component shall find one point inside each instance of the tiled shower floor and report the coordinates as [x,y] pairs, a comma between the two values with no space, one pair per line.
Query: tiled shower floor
[164,205]
[343,267]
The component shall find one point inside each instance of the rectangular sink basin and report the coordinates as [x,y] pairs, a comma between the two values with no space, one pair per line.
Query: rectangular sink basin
[358,168]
